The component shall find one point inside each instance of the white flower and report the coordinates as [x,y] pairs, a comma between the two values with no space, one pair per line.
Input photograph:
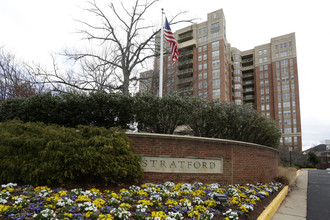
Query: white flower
[3,201]
[11,185]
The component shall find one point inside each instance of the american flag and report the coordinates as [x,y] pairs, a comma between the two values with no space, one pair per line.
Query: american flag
[170,38]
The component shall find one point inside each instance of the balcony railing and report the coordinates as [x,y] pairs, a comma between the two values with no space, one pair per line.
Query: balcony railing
[248,82]
[247,60]
[185,52]
[249,89]
[185,80]
[185,36]
[185,61]
[248,97]
[184,71]
[247,74]
[186,89]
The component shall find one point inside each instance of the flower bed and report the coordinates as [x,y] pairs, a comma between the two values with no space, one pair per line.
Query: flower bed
[148,201]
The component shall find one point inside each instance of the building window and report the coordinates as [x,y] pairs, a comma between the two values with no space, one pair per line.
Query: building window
[215,62]
[216,92]
[200,58]
[262,107]
[204,56]
[284,62]
[265,59]
[204,47]
[287,130]
[199,49]
[267,90]
[262,91]
[200,85]
[237,94]
[265,51]
[261,68]
[238,86]
[262,99]
[205,65]
[205,75]
[286,104]
[267,107]
[266,74]
[266,82]
[261,83]
[260,60]
[238,101]
[215,44]
[205,84]
[237,64]
[267,98]
[216,73]
[200,66]
[261,75]
[237,57]
[216,82]
[215,53]
[200,76]
[237,79]
[215,34]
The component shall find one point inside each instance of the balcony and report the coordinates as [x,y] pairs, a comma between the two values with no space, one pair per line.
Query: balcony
[247,60]
[249,82]
[183,53]
[185,80]
[248,90]
[186,89]
[185,71]
[185,63]
[247,75]
[185,36]
[248,97]
[245,68]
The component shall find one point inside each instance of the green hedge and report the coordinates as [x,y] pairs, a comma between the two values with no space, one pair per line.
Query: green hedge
[71,109]
[149,112]
[36,153]
[229,121]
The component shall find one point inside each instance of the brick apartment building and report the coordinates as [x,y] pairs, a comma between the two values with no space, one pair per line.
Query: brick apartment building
[265,76]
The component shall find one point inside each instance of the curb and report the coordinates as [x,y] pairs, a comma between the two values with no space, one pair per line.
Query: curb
[268,213]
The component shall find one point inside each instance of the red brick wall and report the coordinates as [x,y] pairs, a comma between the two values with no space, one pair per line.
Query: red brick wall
[242,162]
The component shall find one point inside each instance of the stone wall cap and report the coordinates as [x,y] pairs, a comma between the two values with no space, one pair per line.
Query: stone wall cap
[187,137]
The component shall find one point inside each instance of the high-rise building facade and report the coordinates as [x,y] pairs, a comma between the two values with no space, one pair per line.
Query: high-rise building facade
[265,76]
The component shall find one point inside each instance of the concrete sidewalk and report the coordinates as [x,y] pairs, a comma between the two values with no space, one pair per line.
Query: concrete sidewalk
[294,205]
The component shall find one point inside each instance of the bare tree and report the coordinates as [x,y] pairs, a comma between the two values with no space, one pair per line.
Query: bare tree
[122,41]
[15,78]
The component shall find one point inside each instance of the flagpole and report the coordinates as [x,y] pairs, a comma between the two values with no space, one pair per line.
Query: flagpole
[161,57]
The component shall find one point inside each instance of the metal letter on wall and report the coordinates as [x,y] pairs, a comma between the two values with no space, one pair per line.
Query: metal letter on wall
[161,164]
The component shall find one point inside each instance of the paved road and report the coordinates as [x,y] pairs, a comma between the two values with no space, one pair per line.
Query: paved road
[318,195]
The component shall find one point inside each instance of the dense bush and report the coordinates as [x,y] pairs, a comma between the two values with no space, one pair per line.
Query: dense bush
[159,115]
[150,113]
[72,109]
[36,153]
[229,121]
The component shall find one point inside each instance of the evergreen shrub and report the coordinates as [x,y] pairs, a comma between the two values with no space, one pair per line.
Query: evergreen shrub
[35,153]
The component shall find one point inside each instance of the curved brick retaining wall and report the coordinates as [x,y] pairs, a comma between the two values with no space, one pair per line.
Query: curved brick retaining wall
[208,160]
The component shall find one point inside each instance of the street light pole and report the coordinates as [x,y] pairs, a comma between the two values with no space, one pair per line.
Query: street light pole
[290,150]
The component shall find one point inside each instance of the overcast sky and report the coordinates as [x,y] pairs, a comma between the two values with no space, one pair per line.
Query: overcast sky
[35,29]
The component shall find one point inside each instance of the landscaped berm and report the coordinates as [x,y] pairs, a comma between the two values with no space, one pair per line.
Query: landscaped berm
[78,169]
